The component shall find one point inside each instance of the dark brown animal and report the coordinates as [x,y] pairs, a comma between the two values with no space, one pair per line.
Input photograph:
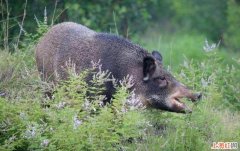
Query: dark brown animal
[156,87]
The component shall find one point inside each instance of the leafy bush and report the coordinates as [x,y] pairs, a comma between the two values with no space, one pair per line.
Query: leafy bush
[75,119]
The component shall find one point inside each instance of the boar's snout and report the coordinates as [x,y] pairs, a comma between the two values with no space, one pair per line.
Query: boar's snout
[197,96]
[183,91]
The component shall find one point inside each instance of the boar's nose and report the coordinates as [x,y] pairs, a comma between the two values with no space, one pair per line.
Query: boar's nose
[197,96]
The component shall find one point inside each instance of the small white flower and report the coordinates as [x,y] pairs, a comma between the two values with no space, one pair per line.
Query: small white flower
[30,132]
[127,82]
[51,129]
[76,122]
[204,82]
[208,48]
[202,64]
[101,103]
[185,64]
[2,94]
[148,123]
[182,74]
[45,143]
[45,16]
[61,105]
[86,105]
[134,102]
[12,138]
[124,109]
[22,115]
[169,68]
[233,68]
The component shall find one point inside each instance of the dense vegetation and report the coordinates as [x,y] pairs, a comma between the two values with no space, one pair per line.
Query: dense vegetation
[73,120]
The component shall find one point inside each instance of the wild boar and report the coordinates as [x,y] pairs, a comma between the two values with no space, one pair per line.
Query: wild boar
[156,86]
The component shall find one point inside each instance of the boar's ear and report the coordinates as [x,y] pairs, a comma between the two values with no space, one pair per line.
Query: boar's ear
[149,67]
[157,55]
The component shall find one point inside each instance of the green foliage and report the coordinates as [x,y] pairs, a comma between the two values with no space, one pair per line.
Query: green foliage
[222,79]
[204,16]
[232,36]
[104,15]
[34,38]
[75,120]
[216,19]
[18,74]
[42,28]
[91,126]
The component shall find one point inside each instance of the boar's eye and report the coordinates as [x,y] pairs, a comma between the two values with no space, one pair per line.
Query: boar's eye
[162,82]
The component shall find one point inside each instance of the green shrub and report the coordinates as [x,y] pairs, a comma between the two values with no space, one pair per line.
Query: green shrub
[75,120]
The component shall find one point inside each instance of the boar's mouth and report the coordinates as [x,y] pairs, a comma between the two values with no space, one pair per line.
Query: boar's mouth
[176,105]
[173,102]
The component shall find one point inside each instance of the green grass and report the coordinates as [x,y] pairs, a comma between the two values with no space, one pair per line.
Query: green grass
[177,47]
[215,118]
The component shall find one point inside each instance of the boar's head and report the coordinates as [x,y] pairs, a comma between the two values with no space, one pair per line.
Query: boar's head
[162,90]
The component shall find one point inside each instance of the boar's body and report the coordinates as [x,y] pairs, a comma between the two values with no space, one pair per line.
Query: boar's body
[80,45]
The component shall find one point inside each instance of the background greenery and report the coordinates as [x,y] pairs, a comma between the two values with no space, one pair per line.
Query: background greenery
[183,31]
[217,19]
